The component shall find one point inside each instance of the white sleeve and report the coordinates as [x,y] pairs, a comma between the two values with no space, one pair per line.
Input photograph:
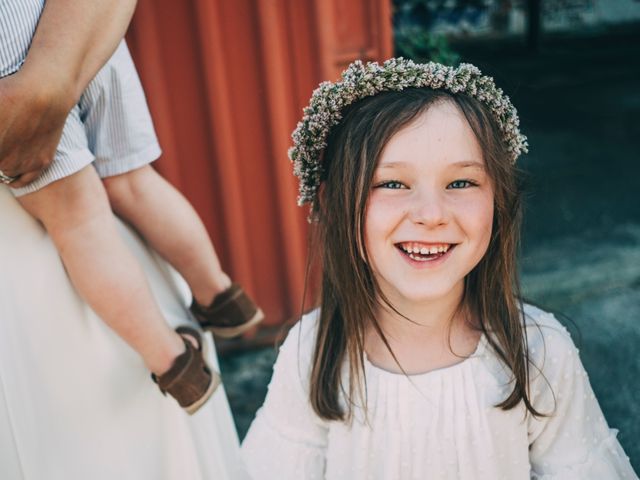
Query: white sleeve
[574,441]
[287,440]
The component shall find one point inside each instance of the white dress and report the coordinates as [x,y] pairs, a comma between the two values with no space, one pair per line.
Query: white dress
[76,403]
[441,424]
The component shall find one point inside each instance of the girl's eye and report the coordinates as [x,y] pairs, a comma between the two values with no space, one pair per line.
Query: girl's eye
[461,184]
[392,184]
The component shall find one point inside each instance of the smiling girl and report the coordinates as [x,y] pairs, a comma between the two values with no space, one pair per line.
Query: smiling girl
[422,360]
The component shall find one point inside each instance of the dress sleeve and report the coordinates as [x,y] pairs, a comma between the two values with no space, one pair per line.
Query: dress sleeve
[573,442]
[287,440]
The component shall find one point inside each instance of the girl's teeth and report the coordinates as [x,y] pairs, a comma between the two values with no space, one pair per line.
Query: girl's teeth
[416,248]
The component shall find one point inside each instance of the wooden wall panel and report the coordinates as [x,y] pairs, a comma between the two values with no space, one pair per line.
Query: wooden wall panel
[353,30]
[226,83]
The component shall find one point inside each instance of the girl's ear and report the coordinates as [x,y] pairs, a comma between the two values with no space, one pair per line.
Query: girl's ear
[362,253]
[360,237]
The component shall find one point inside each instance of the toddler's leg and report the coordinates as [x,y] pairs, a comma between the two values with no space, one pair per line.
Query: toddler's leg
[171,225]
[76,213]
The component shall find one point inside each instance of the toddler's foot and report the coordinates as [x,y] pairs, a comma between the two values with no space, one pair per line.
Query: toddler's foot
[189,380]
[230,314]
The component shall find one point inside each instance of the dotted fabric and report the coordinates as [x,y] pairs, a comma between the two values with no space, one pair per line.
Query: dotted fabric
[441,424]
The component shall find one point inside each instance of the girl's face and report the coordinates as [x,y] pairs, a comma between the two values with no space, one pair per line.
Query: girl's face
[430,211]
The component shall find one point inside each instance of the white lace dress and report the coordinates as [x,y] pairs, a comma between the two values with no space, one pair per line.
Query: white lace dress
[76,403]
[441,424]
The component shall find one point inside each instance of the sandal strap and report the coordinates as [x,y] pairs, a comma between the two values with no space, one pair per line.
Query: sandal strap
[189,377]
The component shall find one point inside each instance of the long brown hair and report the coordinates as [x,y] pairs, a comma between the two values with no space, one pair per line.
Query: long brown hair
[349,292]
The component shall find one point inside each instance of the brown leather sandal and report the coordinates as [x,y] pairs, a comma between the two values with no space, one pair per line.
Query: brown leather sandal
[190,380]
[230,314]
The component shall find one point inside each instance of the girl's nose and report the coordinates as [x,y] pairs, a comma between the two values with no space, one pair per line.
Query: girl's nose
[428,208]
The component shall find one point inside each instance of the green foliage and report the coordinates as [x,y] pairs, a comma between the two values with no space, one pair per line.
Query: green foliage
[416,43]
[413,22]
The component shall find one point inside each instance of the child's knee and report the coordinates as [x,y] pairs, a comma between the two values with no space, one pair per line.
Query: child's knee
[126,189]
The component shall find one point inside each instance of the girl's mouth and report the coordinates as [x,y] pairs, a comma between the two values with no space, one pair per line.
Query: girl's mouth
[423,252]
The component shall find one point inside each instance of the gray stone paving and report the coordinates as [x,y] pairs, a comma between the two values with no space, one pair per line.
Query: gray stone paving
[579,101]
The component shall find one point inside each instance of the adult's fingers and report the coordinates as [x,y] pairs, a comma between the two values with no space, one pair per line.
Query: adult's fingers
[7,165]
[25,179]
[27,158]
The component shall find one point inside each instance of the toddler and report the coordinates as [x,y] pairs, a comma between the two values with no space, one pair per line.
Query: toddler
[101,167]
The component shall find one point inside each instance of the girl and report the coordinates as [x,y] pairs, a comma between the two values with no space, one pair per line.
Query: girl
[102,166]
[421,360]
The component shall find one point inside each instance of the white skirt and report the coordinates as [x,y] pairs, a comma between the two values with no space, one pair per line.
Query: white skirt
[76,402]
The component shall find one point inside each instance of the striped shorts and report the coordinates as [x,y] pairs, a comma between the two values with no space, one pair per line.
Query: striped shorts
[110,127]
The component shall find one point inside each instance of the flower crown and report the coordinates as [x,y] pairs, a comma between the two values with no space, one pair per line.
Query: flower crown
[364,80]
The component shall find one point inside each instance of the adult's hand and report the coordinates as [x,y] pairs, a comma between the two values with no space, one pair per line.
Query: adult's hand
[31,122]
[72,42]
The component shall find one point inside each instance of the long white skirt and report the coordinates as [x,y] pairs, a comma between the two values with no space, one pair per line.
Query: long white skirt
[76,402]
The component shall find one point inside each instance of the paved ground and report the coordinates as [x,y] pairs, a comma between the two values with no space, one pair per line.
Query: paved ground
[579,100]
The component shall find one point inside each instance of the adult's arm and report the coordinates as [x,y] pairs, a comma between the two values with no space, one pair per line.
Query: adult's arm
[73,40]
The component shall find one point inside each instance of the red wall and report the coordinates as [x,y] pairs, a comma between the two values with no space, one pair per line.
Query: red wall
[226,82]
